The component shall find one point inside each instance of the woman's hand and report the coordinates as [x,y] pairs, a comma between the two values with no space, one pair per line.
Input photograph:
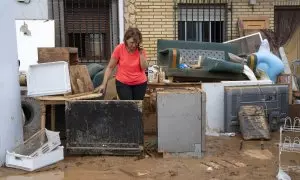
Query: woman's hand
[140,48]
[100,89]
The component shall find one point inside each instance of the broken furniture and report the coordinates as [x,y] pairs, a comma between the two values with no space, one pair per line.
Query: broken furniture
[289,143]
[59,74]
[253,123]
[58,100]
[80,79]
[104,127]
[247,44]
[171,53]
[274,99]
[215,102]
[67,54]
[181,119]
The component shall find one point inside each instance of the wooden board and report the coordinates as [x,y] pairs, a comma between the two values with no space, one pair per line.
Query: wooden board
[67,54]
[80,79]
[111,91]
[85,96]
[252,24]
[253,123]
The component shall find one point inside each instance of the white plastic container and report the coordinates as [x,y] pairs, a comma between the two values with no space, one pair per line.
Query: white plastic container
[51,78]
[40,143]
[153,73]
[29,163]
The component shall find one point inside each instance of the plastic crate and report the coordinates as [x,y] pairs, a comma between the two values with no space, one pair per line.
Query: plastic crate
[30,163]
[48,79]
[42,142]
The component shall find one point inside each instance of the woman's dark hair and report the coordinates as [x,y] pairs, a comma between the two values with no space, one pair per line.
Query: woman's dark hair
[133,33]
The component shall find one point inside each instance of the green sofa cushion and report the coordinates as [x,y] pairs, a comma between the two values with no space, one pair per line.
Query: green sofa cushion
[219,65]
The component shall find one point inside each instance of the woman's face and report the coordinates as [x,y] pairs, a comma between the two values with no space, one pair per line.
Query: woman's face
[131,44]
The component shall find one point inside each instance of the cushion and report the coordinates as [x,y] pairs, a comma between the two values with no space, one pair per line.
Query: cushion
[191,56]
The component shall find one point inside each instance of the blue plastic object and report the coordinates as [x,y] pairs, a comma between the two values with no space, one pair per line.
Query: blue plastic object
[268,62]
[183,66]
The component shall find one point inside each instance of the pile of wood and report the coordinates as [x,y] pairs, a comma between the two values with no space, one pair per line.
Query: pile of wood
[81,82]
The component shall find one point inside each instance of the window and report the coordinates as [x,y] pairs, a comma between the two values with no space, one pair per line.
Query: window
[203,23]
[90,46]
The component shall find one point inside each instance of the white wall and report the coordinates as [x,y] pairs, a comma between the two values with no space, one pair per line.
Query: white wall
[27,45]
[36,9]
[11,131]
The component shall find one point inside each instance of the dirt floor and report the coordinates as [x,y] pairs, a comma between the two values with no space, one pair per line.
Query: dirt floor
[223,161]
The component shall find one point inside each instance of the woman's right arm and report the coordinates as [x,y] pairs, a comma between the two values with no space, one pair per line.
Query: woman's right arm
[110,67]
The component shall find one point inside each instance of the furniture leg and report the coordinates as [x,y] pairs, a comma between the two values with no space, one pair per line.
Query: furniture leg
[43,115]
[53,117]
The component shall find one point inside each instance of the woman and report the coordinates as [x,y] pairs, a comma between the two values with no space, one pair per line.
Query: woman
[131,62]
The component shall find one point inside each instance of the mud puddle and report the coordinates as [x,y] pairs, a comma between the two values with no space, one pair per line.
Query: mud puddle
[224,160]
[69,174]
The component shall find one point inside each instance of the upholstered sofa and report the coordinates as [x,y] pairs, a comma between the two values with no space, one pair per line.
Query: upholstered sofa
[215,67]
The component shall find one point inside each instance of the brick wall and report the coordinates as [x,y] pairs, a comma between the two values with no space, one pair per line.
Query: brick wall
[241,8]
[155,18]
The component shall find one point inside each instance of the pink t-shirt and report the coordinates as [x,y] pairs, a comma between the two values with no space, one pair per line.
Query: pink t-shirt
[129,70]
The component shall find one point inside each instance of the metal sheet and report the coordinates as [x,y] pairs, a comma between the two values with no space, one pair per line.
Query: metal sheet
[181,121]
[104,127]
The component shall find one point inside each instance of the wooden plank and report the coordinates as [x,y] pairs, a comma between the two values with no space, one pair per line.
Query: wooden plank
[111,91]
[181,84]
[80,79]
[253,24]
[80,94]
[64,98]
[69,55]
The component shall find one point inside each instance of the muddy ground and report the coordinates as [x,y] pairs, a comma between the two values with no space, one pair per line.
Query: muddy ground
[223,161]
